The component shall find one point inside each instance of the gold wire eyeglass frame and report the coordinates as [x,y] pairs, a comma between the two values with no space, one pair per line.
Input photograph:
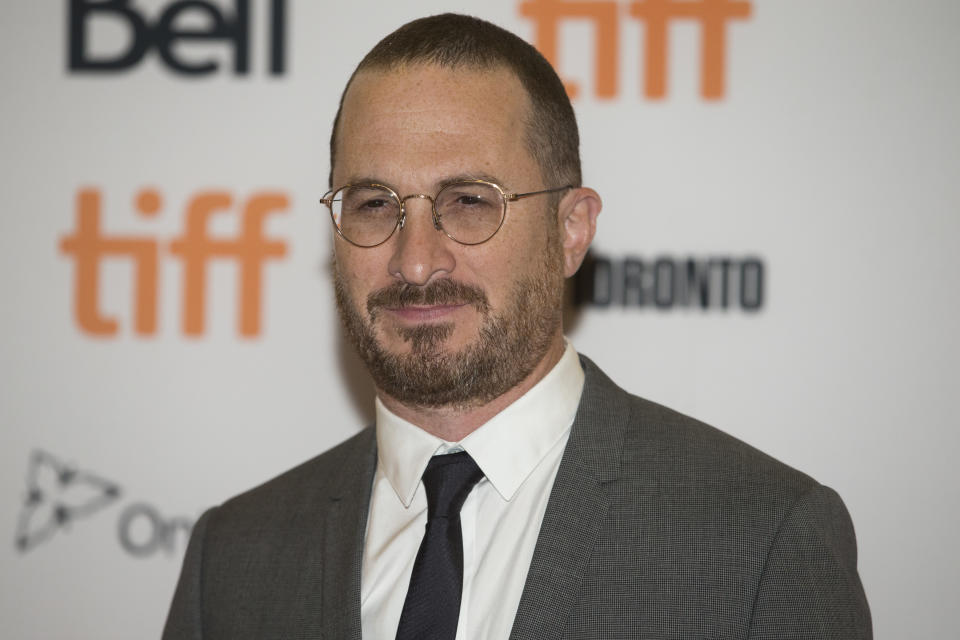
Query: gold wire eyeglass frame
[505,197]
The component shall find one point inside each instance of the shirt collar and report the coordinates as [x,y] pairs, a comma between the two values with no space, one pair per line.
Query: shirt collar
[507,448]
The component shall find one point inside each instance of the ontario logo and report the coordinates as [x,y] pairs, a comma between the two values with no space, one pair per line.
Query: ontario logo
[59,494]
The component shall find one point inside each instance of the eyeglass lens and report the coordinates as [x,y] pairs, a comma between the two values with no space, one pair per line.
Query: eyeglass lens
[469,212]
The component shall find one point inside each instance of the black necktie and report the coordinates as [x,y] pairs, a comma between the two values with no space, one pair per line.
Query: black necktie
[432,606]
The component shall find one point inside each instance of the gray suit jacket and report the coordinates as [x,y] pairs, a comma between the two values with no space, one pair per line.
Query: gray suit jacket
[658,526]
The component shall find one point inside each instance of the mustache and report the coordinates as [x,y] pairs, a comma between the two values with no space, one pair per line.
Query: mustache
[445,291]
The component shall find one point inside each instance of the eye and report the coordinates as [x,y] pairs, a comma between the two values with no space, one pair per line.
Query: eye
[375,203]
[367,200]
[469,199]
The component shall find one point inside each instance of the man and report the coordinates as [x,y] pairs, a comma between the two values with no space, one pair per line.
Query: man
[509,488]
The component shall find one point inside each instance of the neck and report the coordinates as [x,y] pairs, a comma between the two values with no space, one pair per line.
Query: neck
[453,424]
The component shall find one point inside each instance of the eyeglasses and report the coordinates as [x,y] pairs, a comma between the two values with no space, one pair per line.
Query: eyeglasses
[469,212]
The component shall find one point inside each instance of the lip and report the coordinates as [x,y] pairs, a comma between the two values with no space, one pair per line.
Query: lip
[425,313]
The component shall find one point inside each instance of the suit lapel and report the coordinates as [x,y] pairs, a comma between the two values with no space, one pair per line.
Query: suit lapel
[343,536]
[575,512]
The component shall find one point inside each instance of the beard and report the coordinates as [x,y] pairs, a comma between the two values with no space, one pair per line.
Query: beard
[509,345]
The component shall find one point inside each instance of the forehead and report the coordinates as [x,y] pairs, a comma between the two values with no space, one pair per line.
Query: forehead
[414,119]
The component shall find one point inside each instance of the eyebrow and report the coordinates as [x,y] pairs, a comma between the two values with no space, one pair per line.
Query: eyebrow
[467,177]
[448,180]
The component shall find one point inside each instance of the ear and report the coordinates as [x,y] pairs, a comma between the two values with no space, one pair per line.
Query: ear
[577,214]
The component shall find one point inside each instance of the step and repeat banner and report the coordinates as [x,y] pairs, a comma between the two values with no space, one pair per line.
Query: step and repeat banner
[776,256]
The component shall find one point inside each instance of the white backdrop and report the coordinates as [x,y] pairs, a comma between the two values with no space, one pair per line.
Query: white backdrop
[831,156]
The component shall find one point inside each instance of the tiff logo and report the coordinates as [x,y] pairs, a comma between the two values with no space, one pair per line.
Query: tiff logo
[87,245]
[183,21]
[656,15]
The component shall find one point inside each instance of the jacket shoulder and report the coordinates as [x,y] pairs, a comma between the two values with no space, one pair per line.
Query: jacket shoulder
[313,482]
[697,521]
[658,442]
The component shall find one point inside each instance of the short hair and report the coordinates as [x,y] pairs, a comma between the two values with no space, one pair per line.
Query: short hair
[454,40]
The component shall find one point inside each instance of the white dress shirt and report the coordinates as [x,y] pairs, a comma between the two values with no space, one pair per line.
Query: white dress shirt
[519,452]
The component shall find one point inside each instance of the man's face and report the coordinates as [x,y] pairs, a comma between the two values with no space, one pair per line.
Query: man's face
[439,323]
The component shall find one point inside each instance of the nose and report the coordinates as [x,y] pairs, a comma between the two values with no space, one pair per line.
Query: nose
[421,252]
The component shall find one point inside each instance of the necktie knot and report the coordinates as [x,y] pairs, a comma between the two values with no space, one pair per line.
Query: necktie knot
[448,481]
